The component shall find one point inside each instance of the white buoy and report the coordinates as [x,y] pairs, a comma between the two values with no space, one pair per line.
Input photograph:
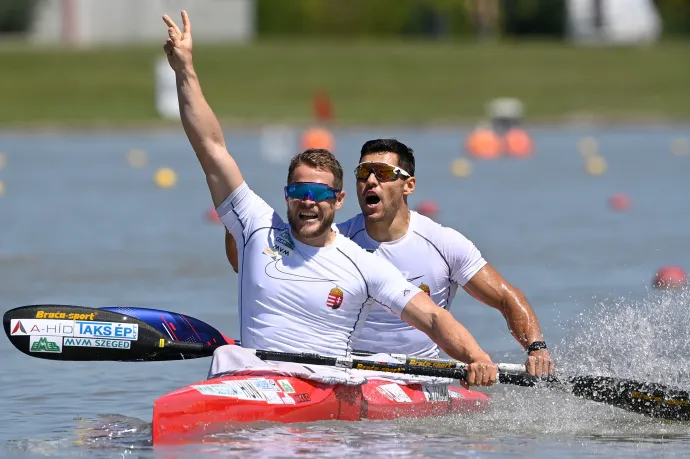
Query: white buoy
[680,146]
[166,90]
[588,146]
[278,143]
[137,158]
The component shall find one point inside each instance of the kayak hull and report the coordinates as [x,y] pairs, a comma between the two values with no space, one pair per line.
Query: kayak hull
[214,405]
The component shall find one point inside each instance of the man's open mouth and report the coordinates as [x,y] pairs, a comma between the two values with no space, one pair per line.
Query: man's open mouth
[372,199]
[307,216]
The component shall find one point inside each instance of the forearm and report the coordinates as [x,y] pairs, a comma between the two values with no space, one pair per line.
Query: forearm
[455,339]
[198,120]
[206,137]
[521,319]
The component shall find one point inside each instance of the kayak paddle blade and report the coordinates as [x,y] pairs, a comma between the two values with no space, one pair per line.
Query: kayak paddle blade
[78,333]
[650,399]
[179,327]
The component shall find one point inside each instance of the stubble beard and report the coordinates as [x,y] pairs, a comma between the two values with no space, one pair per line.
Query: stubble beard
[304,233]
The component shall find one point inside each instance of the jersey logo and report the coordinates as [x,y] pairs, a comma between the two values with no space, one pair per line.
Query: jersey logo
[281,250]
[271,254]
[335,298]
[284,243]
[425,288]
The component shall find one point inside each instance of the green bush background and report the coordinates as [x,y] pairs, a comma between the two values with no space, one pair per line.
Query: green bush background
[392,18]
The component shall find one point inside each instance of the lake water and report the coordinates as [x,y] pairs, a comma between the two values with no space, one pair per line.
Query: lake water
[78,225]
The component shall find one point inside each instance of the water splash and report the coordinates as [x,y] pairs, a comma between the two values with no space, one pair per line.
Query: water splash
[646,340]
[94,437]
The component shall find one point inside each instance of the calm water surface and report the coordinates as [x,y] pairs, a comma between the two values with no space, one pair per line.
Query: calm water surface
[78,225]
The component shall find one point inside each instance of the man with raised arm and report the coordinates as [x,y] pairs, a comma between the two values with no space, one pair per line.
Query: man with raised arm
[303,287]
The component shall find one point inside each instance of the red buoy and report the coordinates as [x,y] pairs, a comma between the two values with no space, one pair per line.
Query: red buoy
[619,202]
[323,107]
[670,277]
[428,208]
[483,143]
[518,143]
[211,215]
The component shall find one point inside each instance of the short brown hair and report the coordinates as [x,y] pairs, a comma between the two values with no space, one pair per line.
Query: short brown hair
[318,158]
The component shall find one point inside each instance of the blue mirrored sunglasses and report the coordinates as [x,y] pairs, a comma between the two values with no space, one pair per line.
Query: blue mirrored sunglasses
[311,190]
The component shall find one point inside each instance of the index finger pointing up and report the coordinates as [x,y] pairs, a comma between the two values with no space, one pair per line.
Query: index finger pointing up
[171,23]
[186,25]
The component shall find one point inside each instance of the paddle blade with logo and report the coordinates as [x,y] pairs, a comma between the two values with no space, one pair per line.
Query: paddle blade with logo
[77,333]
[650,399]
[176,326]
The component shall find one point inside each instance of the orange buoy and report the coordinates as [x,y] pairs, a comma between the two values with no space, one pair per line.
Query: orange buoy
[483,143]
[619,202]
[670,277]
[211,215]
[517,143]
[428,208]
[318,138]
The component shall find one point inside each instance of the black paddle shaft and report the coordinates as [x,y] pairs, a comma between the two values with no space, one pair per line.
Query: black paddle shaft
[316,359]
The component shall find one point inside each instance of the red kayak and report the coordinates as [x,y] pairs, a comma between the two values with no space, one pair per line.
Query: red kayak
[212,405]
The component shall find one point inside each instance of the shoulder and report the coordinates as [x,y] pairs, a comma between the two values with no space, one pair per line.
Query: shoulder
[350,248]
[443,238]
[350,227]
[365,260]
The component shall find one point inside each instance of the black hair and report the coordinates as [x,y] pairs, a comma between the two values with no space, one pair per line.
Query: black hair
[405,153]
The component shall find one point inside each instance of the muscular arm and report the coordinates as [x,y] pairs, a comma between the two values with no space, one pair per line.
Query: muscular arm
[489,287]
[204,133]
[200,124]
[443,329]
[231,251]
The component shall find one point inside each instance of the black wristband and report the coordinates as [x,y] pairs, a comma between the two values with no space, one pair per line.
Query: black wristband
[536,346]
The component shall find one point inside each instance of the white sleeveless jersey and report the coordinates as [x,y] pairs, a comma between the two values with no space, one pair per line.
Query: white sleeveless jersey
[294,297]
[431,256]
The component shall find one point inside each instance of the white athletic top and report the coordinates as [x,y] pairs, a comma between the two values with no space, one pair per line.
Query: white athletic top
[435,258]
[294,297]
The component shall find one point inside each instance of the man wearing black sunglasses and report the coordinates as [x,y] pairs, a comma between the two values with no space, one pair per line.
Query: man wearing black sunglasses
[303,286]
[433,257]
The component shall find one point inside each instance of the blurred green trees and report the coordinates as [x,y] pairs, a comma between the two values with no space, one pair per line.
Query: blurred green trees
[16,15]
[395,18]
[434,18]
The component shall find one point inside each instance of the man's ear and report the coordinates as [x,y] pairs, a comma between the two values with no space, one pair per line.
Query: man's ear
[340,200]
[410,185]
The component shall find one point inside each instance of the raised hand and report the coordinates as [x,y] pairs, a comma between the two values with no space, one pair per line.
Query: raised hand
[178,47]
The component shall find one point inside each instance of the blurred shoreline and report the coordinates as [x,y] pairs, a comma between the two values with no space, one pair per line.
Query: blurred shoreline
[388,83]
[175,127]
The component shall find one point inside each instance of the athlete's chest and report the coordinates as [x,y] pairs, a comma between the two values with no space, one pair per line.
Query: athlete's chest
[417,259]
[277,268]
